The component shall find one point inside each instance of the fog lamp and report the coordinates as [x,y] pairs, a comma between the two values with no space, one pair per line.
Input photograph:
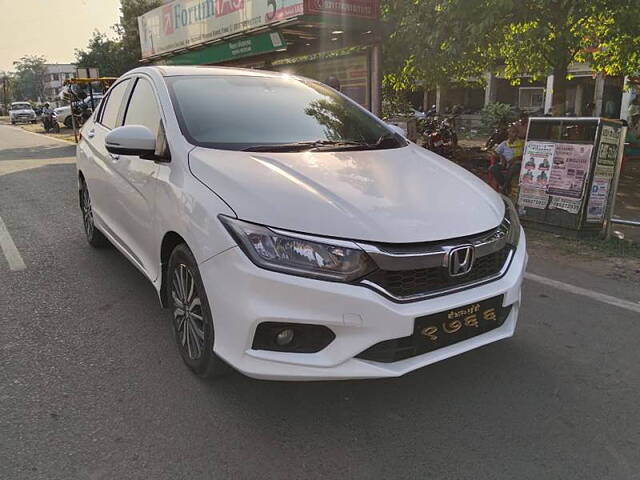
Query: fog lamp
[284,337]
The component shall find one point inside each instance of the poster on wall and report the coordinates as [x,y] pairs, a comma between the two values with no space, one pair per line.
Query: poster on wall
[567,204]
[534,174]
[536,163]
[571,164]
[597,206]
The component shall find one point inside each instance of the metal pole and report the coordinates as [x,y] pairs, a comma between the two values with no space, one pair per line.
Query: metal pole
[73,118]
[614,183]
[620,221]
[91,95]
[376,80]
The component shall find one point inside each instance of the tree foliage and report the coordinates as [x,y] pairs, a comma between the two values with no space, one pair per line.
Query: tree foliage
[439,41]
[118,55]
[29,77]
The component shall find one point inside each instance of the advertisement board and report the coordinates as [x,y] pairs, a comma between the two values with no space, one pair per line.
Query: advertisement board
[185,23]
[571,165]
[182,24]
[350,8]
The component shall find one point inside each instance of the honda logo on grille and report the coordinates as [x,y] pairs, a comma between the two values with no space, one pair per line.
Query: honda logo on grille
[460,260]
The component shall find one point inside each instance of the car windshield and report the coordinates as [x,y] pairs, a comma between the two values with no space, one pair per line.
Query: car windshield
[272,113]
[21,106]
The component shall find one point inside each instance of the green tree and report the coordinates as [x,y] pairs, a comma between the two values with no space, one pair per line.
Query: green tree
[122,53]
[104,54]
[29,77]
[128,28]
[7,88]
[456,39]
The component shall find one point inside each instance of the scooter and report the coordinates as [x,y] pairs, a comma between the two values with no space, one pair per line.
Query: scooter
[50,122]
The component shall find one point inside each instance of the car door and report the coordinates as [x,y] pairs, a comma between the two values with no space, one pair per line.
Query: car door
[135,181]
[99,173]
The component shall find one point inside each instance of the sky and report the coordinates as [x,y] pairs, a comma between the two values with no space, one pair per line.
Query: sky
[51,28]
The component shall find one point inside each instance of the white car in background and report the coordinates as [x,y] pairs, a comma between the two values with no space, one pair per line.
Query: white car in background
[21,112]
[305,241]
[63,113]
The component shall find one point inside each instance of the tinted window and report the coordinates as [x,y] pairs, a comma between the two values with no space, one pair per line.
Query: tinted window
[143,108]
[236,112]
[112,107]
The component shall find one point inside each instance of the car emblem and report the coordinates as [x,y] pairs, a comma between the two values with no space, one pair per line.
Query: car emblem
[460,260]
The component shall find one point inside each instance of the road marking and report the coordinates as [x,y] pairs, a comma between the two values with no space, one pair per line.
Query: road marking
[600,297]
[10,250]
[41,135]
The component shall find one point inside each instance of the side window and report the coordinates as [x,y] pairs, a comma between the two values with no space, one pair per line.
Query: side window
[143,108]
[112,107]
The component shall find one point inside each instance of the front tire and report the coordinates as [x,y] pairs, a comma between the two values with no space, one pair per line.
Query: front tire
[192,319]
[94,236]
[68,122]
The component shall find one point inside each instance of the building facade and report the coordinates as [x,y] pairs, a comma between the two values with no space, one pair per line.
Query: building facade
[56,74]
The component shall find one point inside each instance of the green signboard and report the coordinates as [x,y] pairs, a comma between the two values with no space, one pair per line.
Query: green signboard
[232,49]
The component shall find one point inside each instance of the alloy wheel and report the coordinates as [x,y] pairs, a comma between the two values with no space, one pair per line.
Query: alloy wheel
[187,312]
[87,213]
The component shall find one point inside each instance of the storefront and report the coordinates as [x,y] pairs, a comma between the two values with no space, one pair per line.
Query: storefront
[314,38]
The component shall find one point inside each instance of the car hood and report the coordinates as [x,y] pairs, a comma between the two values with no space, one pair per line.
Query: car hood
[25,110]
[399,195]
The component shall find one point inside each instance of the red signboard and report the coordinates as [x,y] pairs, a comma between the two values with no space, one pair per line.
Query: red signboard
[343,8]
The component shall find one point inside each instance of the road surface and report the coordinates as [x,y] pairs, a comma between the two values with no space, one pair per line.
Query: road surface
[91,385]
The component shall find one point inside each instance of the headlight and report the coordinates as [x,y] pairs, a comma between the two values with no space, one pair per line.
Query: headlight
[511,222]
[295,254]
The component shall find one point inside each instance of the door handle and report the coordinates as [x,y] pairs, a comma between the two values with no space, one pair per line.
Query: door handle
[91,134]
[114,156]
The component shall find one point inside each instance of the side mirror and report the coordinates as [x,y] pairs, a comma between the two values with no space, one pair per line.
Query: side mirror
[132,140]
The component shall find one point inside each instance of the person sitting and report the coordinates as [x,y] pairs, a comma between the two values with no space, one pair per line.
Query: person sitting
[509,155]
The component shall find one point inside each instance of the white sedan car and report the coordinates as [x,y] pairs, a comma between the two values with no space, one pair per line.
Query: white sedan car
[291,233]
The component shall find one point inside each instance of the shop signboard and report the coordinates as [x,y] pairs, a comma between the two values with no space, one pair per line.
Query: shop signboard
[231,49]
[182,24]
[350,8]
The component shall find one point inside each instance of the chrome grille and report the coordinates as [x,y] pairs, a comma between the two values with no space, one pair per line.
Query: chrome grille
[412,272]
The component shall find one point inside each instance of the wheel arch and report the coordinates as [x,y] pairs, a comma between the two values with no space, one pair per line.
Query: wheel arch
[170,241]
[81,180]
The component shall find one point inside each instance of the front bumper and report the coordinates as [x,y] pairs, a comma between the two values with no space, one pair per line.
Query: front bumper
[242,296]
[23,118]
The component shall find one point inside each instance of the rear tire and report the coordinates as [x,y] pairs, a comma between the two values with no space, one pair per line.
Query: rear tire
[94,236]
[191,317]
[68,122]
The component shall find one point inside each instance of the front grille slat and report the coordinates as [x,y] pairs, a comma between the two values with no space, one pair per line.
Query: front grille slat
[426,281]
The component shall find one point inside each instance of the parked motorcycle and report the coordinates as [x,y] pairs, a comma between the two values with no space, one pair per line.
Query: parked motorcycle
[498,136]
[440,135]
[50,122]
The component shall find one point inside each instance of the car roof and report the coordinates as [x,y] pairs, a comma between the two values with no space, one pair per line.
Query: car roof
[191,70]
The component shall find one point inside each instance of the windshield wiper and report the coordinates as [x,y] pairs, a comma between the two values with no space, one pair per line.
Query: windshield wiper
[388,140]
[301,146]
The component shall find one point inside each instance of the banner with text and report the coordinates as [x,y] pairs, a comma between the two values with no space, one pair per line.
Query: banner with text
[186,23]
